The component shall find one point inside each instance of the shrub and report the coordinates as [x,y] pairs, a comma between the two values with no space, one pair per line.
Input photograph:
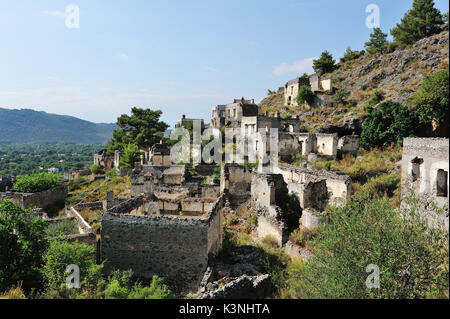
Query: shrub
[95,169]
[301,236]
[350,55]
[121,286]
[412,258]
[341,96]
[37,182]
[113,172]
[270,241]
[305,95]
[60,254]
[380,186]
[387,124]
[431,101]
[63,227]
[77,183]
[23,241]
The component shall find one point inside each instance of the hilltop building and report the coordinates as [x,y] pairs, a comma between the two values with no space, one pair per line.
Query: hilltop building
[317,84]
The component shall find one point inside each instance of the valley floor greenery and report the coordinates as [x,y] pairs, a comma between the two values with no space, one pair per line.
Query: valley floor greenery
[18,159]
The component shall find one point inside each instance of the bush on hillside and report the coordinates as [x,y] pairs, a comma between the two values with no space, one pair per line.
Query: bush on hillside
[37,182]
[412,258]
[387,124]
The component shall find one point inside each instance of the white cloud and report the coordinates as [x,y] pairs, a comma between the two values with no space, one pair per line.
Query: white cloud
[123,57]
[211,69]
[55,13]
[298,66]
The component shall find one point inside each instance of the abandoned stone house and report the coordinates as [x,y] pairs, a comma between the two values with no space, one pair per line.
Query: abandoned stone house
[189,123]
[316,84]
[425,167]
[218,116]
[172,226]
[5,183]
[239,108]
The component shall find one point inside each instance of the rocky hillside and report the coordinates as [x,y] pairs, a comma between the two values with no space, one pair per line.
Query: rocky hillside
[396,75]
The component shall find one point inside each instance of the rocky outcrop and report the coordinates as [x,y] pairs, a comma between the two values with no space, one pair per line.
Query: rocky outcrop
[244,287]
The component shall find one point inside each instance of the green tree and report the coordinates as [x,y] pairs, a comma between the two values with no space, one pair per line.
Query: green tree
[387,124]
[37,182]
[377,42]
[23,241]
[411,257]
[423,20]
[305,95]
[325,63]
[349,55]
[431,101]
[130,155]
[142,128]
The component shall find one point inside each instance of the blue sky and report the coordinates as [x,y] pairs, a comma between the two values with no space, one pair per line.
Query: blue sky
[182,57]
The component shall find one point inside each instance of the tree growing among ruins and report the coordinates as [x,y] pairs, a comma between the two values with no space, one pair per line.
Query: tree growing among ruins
[423,20]
[387,124]
[430,102]
[377,43]
[325,63]
[142,128]
[130,155]
[305,95]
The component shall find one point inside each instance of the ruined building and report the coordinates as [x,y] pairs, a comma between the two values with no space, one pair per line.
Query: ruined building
[239,108]
[316,84]
[425,167]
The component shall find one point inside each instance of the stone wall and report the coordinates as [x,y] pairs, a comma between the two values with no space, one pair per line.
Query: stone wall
[339,185]
[425,168]
[175,248]
[327,144]
[269,193]
[235,183]
[44,199]
[348,144]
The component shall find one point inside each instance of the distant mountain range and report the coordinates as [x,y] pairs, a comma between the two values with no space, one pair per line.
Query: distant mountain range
[29,126]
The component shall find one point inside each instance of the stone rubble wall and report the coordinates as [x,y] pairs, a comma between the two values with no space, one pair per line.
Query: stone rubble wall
[175,248]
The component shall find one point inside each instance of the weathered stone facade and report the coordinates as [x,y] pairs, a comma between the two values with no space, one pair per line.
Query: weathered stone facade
[44,199]
[269,193]
[425,167]
[173,247]
[239,108]
[235,183]
[338,185]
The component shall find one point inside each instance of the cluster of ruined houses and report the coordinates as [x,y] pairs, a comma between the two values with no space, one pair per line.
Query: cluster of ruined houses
[172,225]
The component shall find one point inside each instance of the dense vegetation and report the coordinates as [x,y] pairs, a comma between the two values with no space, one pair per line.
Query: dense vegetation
[35,261]
[37,182]
[412,258]
[17,159]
